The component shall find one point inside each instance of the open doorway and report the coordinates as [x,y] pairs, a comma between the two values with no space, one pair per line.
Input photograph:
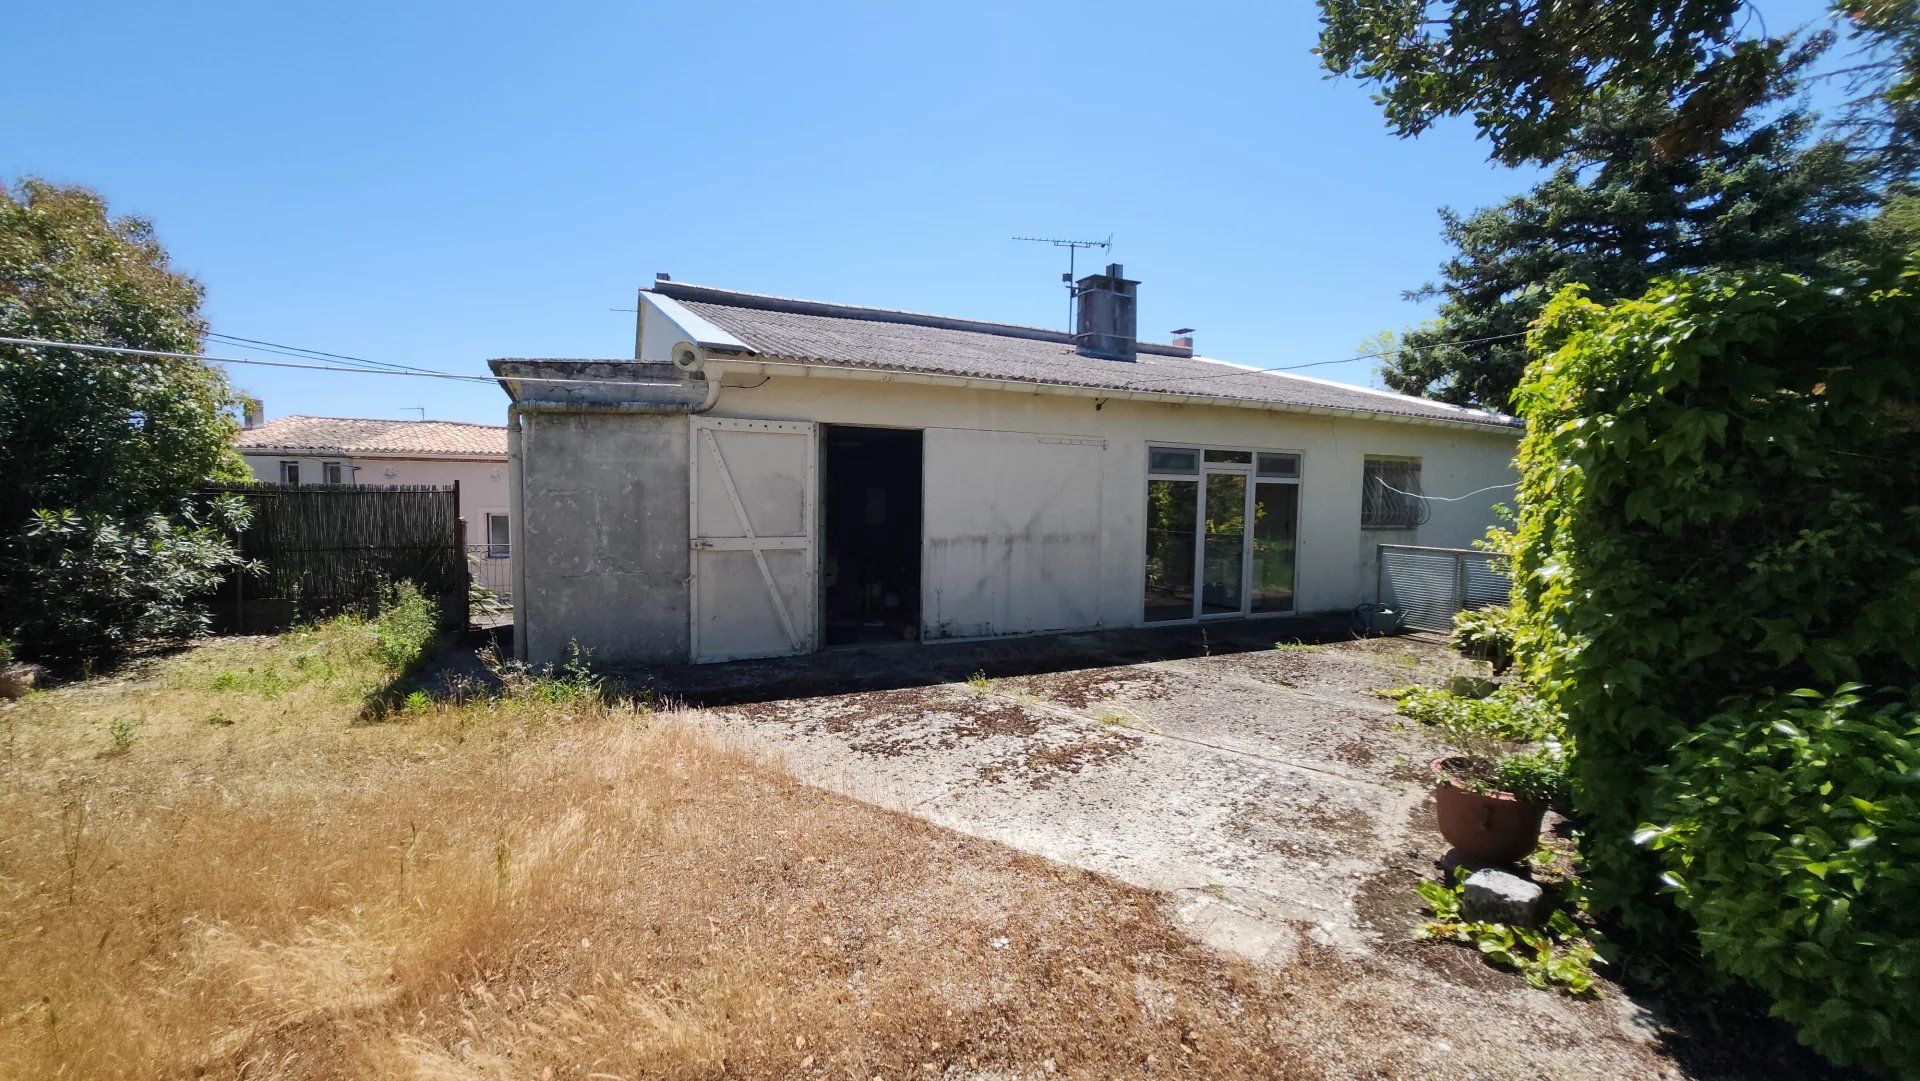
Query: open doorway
[870,563]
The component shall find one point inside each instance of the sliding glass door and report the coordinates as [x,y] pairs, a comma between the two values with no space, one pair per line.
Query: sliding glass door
[1221,530]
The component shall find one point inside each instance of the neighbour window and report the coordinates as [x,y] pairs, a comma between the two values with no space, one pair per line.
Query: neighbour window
[330,472]
[1390,494]
[497,537]
[290,472]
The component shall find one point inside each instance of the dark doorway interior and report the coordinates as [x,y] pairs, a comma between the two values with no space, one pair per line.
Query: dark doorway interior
[870,571]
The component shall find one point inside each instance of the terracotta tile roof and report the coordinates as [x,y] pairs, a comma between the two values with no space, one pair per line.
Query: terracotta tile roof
[840,334]
[362,435]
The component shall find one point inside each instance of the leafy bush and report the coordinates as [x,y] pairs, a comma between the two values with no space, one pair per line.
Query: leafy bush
[89,587]
[1717,498]
[1789,828]
[1718,505]
[1486,633]
[1509,715]
[406,625]
[1538,775]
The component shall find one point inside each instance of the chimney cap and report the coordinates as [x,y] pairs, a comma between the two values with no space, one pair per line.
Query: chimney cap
[1183,330]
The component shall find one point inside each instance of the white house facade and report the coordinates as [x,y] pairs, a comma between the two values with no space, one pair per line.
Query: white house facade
[772,476]
[306,450]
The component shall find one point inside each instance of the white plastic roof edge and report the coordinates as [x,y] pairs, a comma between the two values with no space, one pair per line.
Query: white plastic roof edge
[698,329]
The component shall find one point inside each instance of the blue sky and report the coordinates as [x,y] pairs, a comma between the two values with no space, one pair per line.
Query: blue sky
[436,184]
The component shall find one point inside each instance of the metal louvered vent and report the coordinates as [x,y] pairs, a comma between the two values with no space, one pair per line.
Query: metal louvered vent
[1428,586]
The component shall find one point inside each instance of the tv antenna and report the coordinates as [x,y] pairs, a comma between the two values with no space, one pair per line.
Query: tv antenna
[1073,249]
[420,409]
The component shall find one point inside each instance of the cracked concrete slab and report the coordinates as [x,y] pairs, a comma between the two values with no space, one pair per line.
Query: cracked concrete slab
[1264,789]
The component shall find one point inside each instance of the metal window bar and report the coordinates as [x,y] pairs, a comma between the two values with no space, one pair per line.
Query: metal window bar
[1428,586]
[1389,496]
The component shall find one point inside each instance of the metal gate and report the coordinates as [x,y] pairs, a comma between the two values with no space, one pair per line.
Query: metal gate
[1427,586]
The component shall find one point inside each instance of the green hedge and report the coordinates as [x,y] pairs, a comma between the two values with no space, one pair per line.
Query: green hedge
[1792,837]
[1719,504]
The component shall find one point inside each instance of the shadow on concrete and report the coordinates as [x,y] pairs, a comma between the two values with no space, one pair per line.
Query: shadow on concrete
[918,664]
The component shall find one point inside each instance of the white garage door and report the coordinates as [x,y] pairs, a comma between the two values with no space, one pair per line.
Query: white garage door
[1013,533]
[752,536]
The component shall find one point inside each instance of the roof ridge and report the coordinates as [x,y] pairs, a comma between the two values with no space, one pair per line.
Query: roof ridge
[383,420]
[735,298]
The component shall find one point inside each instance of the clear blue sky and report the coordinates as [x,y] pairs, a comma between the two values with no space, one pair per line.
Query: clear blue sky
[437,184]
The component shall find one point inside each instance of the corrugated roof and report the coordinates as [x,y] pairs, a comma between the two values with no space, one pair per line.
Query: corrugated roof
[879,338]
[365,435]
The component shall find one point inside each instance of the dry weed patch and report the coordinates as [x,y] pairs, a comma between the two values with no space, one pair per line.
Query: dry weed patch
[265,885]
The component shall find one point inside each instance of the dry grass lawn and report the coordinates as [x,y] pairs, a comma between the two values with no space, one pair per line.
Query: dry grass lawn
[216,867]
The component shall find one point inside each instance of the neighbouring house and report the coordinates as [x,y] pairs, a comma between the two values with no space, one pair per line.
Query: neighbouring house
[301,450]
[771,476]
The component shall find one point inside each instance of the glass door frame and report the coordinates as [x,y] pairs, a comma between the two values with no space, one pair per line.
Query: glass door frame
[1249,470]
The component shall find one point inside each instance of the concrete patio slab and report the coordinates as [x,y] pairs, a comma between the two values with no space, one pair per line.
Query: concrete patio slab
[1263,788]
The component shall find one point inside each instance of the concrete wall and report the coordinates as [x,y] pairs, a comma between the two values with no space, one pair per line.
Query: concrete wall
[483,482]
[604,541]
[989,463]
[1035,505]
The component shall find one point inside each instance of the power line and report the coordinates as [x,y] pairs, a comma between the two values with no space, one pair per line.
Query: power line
[421,372]
[297,350]
[388,368]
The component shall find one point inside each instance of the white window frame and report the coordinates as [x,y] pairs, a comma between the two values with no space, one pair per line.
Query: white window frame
[1250,470]
[332,473]
[290,469]
[502,549]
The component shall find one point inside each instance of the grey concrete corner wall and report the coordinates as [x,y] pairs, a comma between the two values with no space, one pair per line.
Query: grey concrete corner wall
[605,537]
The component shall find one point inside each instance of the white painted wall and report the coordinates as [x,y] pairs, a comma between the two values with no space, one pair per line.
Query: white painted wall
[483,482]
[1009,520]
[1036,503]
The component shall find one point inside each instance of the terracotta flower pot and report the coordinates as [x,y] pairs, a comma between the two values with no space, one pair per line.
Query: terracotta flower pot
[1485,828]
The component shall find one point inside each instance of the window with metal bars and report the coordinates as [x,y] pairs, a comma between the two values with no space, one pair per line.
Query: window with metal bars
[1389,497]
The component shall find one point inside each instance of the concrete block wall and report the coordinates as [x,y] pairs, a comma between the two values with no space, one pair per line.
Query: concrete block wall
[605,537]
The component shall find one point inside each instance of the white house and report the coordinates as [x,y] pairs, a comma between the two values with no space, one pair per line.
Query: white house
[771,476]
[361,451]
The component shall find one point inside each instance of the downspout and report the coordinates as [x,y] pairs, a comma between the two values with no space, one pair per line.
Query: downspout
[516,477]
[516,532]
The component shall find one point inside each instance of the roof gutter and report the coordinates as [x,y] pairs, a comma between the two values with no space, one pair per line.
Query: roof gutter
[809,368]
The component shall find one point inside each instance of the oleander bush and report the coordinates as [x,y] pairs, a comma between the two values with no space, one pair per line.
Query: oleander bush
[1719,506]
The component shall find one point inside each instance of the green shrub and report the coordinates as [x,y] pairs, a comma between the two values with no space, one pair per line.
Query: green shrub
[82,587]
[1538,775]
[1486,633]
[1790,832]
[406,625]
[1508,715]
[1717,498]
[1718,504]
